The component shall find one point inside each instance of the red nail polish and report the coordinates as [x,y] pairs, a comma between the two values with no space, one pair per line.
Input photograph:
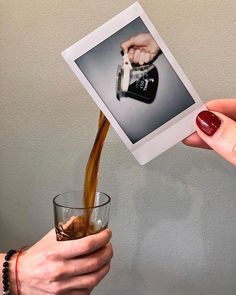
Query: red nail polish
[208,122]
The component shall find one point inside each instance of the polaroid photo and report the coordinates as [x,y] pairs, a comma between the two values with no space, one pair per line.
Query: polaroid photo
[136,82]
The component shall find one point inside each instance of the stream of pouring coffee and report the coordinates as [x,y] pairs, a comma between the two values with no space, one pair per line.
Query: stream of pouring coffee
[80,226]
[91,173]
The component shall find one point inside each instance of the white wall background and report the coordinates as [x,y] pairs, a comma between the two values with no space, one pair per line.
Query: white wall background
[173,220]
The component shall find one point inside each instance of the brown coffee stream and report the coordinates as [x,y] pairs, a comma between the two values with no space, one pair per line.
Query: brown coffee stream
[80,226]
[91,173]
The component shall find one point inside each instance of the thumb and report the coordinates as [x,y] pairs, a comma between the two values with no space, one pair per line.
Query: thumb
[219,132]
[124,47]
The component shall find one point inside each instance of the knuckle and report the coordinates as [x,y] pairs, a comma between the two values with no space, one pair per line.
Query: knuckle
[107,268]
[50,256]
[109,251]
[97,277]
[87,246]
[94,264]
[55,288]
[93,281]
[54,272]
[108,235]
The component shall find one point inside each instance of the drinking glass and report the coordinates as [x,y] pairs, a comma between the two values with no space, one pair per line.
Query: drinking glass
[74,221]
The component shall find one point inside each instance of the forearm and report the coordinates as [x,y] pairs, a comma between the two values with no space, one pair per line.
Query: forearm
[11,269]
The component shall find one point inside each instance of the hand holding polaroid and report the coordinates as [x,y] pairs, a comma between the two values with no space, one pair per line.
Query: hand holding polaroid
[136,82]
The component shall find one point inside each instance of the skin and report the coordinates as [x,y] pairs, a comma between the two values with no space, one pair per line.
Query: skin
[141,48]
[68,267]
[76,267]
[224,139]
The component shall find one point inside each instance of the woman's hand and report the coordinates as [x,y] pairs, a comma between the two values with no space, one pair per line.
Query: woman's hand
[68,267]
[216,129]
[141,48]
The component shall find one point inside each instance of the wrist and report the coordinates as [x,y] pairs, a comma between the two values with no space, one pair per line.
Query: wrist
[12,275]
[12,271]
[17,273]
[7,264]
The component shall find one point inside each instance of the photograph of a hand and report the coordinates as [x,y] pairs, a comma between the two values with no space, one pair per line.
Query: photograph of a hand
[141,48]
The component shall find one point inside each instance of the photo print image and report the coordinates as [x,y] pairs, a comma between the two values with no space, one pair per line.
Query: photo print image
[135,80]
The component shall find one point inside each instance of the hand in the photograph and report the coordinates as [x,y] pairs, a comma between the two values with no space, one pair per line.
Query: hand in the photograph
[68,267]
[141,48]
[216,129]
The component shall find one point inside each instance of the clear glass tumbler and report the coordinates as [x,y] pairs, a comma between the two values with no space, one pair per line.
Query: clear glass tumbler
[74,221]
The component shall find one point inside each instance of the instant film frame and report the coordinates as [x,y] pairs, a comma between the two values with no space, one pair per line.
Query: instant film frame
[147,129]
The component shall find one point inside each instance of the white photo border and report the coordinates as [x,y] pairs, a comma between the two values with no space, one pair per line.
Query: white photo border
[169,133]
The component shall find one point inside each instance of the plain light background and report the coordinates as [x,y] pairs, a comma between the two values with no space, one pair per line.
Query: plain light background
[173,220]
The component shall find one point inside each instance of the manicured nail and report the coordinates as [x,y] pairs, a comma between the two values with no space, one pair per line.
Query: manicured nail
[208,122]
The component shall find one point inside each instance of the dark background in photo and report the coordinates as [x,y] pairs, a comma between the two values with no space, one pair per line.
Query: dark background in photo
[136,118]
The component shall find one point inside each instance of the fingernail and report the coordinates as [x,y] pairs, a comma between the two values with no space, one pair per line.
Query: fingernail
[208,122]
